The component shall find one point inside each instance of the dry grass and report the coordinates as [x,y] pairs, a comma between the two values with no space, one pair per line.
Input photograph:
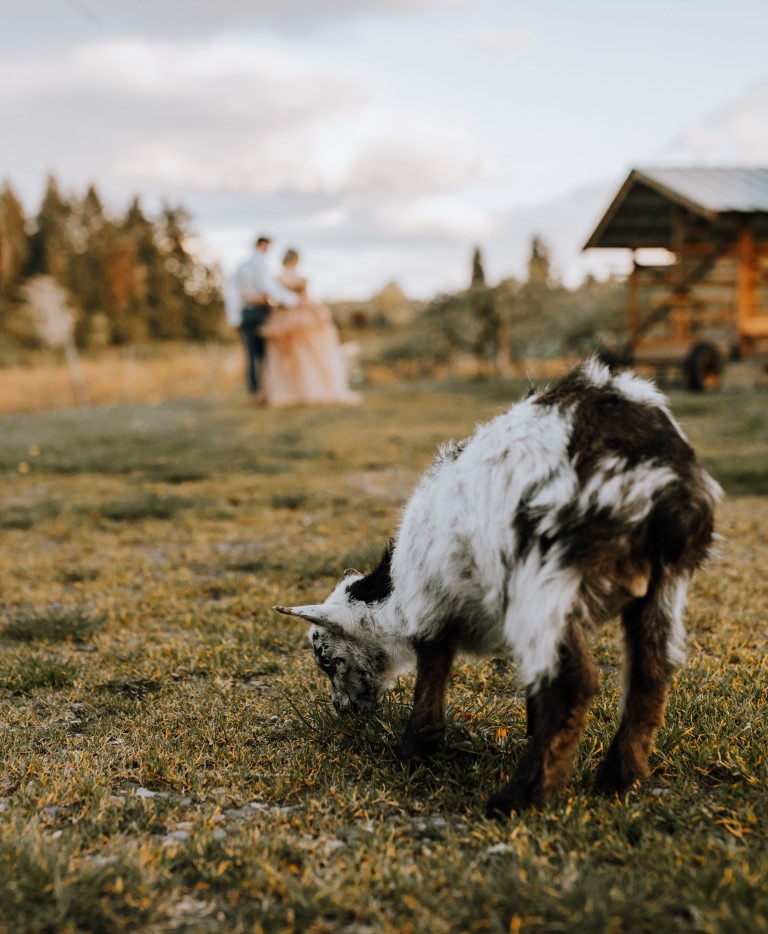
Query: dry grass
[162,372]
[124,376]
[170,761]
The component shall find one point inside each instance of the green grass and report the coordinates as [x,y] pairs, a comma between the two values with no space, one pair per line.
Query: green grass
[25,673]
[170,759]
[51,624]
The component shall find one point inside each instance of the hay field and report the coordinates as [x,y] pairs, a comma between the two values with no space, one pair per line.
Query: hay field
[169,758]
[124,375]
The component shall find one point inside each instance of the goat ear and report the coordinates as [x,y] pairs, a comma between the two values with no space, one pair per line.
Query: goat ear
[352,571]
[319,614]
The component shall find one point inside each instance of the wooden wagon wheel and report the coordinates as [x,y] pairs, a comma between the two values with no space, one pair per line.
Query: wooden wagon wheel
[703,367]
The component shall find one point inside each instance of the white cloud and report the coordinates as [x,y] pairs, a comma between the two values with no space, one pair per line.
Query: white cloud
[249,136]
[439,217]
[203,13]
[76,21]
[511,40]
[734,135]
[404,164]
[204,117]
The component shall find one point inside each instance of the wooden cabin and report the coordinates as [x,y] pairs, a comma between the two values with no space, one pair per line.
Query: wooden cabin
[709,303]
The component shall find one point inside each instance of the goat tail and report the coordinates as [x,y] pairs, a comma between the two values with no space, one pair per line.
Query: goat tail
[681,522]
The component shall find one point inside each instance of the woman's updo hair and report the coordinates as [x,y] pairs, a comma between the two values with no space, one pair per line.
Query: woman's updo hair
[291,256]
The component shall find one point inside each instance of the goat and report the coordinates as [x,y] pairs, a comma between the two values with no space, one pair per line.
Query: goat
[581,502]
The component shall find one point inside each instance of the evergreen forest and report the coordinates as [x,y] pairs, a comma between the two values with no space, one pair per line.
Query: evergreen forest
[123,279]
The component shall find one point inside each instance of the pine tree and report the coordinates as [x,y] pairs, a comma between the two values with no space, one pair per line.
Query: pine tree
[478,273]
[140,235]
[205,317]
[483,310]
[191,304]
[539,271]
[50,247]
[534,325]
[88,239]
[14,243]
[168,299]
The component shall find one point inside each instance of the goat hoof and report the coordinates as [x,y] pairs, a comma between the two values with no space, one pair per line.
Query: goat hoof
[410,750]
[413,753]
[417,746]
[612,779]
[506,801]
[496,809]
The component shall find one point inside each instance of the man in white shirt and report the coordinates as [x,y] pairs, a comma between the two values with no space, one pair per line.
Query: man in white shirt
[254,288]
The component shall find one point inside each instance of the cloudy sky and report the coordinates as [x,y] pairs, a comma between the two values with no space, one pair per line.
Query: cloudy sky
[382,138]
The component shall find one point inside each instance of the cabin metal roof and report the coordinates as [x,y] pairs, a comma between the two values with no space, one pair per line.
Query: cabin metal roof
[643,212]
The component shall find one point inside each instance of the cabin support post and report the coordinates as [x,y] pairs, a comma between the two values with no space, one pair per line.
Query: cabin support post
[681,302]
[634,305]
[746,303]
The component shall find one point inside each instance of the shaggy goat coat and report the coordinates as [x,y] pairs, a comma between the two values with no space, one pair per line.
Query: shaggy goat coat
[580,502]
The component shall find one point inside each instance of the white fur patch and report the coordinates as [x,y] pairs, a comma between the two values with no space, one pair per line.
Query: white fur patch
[675,598]
[714,489]
[541,597]
[627,492]
[596,372]
[639,390]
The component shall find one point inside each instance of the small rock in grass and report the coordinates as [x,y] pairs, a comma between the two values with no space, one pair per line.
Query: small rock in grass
[499,849]
[237,813]
[176,836]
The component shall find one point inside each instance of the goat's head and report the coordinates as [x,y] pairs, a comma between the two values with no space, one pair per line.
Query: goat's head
[342,636]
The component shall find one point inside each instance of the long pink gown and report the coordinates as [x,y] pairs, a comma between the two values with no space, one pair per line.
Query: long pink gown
[304,364]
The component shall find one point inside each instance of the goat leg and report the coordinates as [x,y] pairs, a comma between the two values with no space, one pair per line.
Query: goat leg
[647,626]
[530,714]
[426,726]
[557,712]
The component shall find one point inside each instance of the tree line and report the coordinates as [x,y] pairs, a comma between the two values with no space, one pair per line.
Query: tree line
[517,318]
[132,279]
[128,278]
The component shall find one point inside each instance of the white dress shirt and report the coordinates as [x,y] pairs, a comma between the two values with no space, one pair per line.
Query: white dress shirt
[252,280]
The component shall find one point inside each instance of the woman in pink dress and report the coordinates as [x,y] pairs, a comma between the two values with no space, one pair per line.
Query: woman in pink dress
[304,364]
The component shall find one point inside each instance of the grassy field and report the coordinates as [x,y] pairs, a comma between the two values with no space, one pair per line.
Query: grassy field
[124,375]
[169,758]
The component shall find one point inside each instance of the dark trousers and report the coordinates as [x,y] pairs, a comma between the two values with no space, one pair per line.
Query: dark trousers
[253,316]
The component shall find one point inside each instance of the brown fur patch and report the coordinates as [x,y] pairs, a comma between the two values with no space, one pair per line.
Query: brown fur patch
[606,422]
[425,727]
[557,713]
[646,632]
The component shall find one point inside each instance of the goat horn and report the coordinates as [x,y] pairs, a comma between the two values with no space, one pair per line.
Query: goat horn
[314,615]
[288,611]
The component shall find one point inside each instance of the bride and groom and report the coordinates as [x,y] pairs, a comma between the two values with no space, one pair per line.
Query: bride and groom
[292,347]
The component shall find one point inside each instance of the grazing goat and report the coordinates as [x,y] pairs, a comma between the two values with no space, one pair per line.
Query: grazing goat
[580,502]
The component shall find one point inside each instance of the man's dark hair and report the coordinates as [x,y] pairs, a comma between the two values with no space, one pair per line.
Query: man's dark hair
[263,240]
